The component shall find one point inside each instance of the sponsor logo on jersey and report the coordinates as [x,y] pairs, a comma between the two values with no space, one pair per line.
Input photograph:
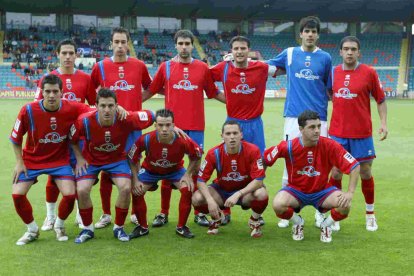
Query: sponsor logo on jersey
[234,176]
[70,96]
[306,74]
[348,157]
[243,88]
[163,163]
[143,116]
[309,171]
[121,85]
[53,137]
[345,93]
[185,85]
[107,147]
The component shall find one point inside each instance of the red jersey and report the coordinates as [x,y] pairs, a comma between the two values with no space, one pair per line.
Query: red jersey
[351,115]
[46,143]
[76,87]
[184,84]
[234,171]
[309,167]
[163,158]
[106,144]
[126,79]
[244,88]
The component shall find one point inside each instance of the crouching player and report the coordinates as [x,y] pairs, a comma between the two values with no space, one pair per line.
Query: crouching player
[164,152]
[104,150]
[47,123]
[309,159]
[240,175]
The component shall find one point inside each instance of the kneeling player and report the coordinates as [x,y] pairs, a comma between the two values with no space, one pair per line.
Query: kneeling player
[104,150]
[240,175]
[309,159]
[47,123]
[164,152]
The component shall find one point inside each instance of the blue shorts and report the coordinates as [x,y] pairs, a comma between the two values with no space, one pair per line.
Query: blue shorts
[132,137]
[253,131]
[60,173]
[315,199]
[197,136]
[224,194]
[151,179]
[362,149]
[115,170]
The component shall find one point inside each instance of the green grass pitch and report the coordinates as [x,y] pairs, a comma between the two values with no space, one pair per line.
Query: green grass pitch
[354,251]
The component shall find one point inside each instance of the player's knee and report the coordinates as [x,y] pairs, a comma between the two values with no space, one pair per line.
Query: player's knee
[197,198]
[260,194]
[125,189]
[278,206]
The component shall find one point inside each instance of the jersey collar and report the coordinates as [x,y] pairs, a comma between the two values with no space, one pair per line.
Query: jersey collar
[314,51]
[60,72]
[112,59]
[172,141]
[357,65]
[44,109]
[240,148]
[99,123]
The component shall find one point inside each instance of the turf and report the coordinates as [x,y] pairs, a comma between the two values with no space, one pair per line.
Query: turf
[353,250]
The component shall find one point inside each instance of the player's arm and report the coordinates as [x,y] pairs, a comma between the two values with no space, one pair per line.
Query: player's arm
[122,113]
[20,167]
[251,187]
[187,178]
[220,97]
[81,163]
[134,160]
[206,169]
[382,111]
[146,94]
[346,198]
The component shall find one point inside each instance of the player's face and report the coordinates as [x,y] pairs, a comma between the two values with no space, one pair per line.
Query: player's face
[120,44]
[309,37]
[350,53]
[232,136]
[67,56]
[107,110]
[240,51]
[184,47]
[164,126]
[311,131]
[52,96]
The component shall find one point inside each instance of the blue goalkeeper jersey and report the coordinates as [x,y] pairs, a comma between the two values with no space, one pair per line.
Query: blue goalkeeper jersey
[308,78]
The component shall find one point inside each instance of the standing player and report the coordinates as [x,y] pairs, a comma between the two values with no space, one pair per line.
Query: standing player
[244,83]
[184,80]
[104,150]
[47,123]
[240,175]
[307,70]
[351,124]
[126,76]
[164,152]
[77,86]
[309,159]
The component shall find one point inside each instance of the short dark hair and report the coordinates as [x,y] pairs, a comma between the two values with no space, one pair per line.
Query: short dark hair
[164,113]
[51,79]
[240,39]
[105,93]
[350,38]
[310,22]
[66,41]
[120,30]
[307,115]
[230,122]
[184,34]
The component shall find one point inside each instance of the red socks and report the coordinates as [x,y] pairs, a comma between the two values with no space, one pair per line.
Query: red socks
[336,216]
[184,207]
[166,190]
[66,206]
[120,215]
[52,191]
[258,206]
[106,191]
[140,210]
[86,215]
[286,214]
[23,208]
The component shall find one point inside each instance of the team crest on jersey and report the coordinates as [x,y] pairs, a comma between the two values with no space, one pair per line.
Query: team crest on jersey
[242,77]
[107,136]
[164,153]
[307,61]
[310,157]
[53,124]
[68,84]
[108,146]
[347,80]
[121,73]
[234,165]
[185,73]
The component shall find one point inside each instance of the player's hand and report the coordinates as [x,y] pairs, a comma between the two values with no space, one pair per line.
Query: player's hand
[122,113]
[18,169]
[214,209]
[138,188]
[186,180]
[228,57]
[181,133]
[231,201]
[383,132]
[81,167]
[345,199]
